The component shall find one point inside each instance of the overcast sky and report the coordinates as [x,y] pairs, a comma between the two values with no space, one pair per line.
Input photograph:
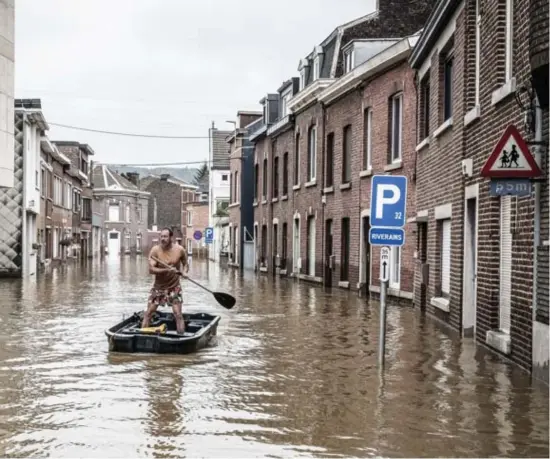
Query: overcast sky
[162,67]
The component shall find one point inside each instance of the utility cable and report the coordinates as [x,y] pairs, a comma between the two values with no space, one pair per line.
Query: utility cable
[128,134]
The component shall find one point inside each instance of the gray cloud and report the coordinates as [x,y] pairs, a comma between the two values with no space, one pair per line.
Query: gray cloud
[163,67]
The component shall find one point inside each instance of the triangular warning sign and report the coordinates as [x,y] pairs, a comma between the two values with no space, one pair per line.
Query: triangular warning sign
[511,158]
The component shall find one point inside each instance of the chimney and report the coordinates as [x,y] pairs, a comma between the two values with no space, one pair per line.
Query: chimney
[133,177]
[164,177]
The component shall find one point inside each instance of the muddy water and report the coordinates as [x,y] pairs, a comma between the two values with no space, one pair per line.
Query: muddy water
[292,373]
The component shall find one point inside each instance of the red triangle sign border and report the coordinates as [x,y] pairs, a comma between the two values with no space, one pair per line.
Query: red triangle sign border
[511,131]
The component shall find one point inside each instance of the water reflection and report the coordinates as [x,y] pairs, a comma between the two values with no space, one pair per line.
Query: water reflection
[293,372]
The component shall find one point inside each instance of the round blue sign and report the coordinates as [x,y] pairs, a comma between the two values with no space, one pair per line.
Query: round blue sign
[197,235]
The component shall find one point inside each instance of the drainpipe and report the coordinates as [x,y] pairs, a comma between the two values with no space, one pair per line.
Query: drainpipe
[536,235]
[323,202]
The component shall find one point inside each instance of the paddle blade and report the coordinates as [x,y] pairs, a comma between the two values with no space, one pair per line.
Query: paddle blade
[225,299]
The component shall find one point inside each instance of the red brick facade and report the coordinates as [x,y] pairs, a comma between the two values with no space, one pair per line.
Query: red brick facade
[478,298]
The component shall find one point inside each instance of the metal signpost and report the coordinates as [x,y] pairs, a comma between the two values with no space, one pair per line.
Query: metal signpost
[388,217]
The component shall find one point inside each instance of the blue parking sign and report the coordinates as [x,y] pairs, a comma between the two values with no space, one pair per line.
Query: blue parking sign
[388,210]
[208,235]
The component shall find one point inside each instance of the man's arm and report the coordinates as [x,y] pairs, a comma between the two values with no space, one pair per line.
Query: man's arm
[153,264]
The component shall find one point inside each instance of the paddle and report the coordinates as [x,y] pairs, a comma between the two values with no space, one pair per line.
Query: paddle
[225,299]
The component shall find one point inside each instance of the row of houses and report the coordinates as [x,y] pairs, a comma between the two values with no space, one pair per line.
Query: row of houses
[423,90]
[61,206]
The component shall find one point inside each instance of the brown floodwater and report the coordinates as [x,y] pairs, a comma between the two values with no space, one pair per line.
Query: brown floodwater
[292,373]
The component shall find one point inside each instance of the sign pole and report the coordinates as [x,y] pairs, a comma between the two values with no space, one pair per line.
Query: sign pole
[384,278]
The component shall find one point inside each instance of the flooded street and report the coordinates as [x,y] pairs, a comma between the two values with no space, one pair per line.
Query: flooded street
[292,373]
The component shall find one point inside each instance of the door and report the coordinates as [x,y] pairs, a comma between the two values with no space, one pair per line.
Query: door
[365,256]
[328,253]
[470,269]
[274,249]
[296,245]
[311,246]
[424,269]
[505,263]
[114,243]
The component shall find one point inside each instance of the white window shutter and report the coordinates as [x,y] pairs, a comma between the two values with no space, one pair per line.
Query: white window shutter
[505,263]
[446,257]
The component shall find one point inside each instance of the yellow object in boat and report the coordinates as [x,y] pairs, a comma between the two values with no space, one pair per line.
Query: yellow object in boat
[159,329]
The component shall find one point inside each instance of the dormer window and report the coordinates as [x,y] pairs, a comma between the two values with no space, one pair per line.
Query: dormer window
[285,97]
[304,64]
[348,60]
[317,54]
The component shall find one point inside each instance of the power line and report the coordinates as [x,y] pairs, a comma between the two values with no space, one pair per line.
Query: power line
[185,163]
[128,134]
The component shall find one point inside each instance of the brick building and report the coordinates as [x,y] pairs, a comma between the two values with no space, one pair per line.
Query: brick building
[124,208]
[81,199]
[197,220]
[241,193]
[295,232]
[472,65]
[166,207]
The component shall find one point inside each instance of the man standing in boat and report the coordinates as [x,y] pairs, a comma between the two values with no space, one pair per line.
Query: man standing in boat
[167,289]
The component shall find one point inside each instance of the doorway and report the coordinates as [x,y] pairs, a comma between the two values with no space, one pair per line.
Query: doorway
[114,243]
[296,246]
[328,253]
[311,246]
[365,256]
[470,269]
[423,257]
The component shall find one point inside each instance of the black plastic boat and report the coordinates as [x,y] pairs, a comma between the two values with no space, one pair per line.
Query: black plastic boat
[161,336]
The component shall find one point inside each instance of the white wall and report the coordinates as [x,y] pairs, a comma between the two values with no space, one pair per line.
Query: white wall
[7,53]
[219,189]
[31,168]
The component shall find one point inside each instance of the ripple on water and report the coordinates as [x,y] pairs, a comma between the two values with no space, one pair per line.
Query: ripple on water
[292,373]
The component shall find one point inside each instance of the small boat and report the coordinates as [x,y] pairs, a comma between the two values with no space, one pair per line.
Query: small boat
[161,336]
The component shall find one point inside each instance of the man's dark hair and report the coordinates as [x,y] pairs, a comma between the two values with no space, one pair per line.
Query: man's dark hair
[170,232]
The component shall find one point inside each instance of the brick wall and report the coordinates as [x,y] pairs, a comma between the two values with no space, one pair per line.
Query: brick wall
[168,203]
[261,209]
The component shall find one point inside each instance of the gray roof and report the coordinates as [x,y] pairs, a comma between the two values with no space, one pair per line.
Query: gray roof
[220,149]
[105,178]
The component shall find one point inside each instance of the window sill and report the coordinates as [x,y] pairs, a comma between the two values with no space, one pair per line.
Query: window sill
[296,187]
[504,91]
[235,204]
[472,115]
[440,303]
[423,144]
[328,190]
[365,173]
[441,129]
[393,167]
[275,200]
[255,204]
[343,284]
[498,340]
[263,269]
[311,183]
[345,186]
[264,201]
[284,197]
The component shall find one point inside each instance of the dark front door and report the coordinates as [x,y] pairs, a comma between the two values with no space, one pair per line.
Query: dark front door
[328,254]
[423,255]
[366,256]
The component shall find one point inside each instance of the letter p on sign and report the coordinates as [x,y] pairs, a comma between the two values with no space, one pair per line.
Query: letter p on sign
[387,195]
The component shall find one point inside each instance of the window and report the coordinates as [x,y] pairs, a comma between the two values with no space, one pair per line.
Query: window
[284,104]
[127,237]
[256,179]
[225,177]
[43,183]
[231,193]
[139,213]
[68,196]
[302,79]
[445,257]
[76,200]
[448,87]
[58,191]
[425,107]
[297,160]
[114,212]
[396,108]
[128,219]
[344,260]
[367,139]
[348,60]
[395,268]
[316,68]
[275,183]
[312,153]
[264,245]
[264,180]
[237,189]
[330,160]
[284,243]
[285,174]
[509,38]
[190,216]
[346,154]
[138,242]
